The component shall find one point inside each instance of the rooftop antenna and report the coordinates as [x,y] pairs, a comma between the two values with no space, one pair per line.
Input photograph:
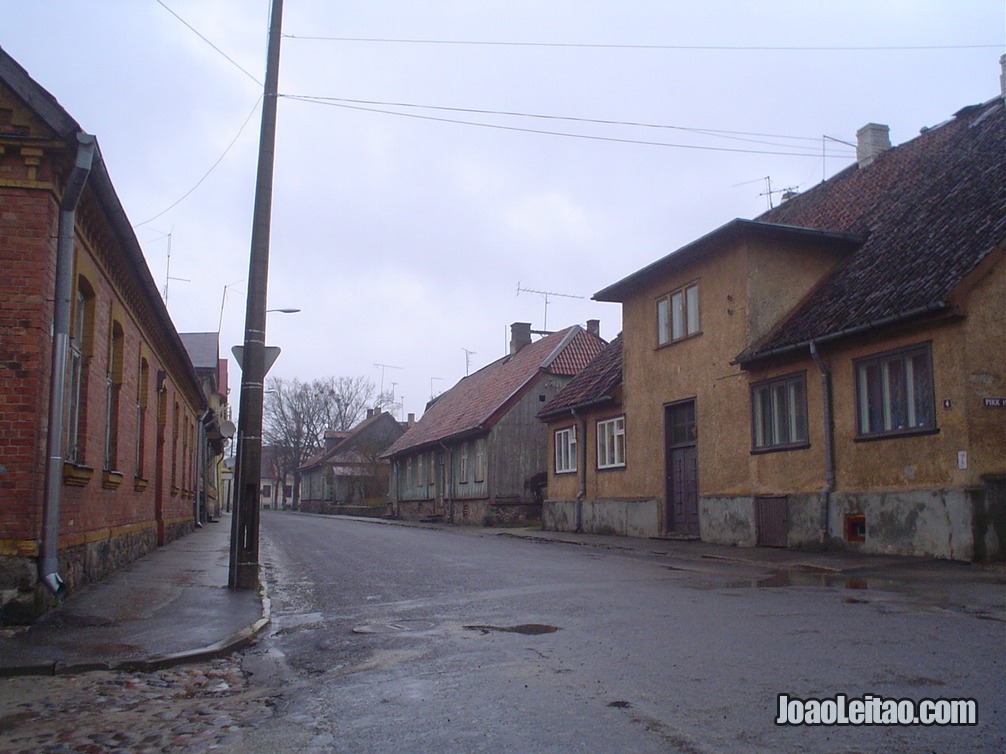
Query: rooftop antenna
[167,266]
[382,367]
[468,359]
[769,190]
[545,295]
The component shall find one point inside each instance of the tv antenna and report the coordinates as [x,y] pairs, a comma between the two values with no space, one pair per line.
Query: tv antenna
[545,295]
[468,359]
[382,367]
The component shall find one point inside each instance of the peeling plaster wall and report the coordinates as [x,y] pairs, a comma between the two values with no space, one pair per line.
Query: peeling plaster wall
[627,518]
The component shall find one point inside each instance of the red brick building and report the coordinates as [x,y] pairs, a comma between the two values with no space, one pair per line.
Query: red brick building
[98,466]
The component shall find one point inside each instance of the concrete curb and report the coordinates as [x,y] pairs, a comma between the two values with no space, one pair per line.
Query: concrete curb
[233,643]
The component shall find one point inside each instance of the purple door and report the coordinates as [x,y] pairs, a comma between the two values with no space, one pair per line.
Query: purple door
[682,469]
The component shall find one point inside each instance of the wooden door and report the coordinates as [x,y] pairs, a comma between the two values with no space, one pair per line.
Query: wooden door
[682,469]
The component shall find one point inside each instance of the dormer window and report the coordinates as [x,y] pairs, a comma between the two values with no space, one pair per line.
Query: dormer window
[678,315]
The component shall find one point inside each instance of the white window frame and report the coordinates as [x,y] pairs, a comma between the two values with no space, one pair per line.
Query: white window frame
[463,464]
[565,450]
[678,314]
[611,443]
[480,460]
[905,405]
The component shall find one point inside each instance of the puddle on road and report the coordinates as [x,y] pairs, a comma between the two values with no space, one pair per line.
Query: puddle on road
[527,629]
[801,578]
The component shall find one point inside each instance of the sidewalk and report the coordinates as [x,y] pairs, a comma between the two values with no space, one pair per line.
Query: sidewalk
[168,607]
[173,605]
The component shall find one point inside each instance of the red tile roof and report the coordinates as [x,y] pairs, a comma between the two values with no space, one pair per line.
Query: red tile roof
[595,384]
[477,401]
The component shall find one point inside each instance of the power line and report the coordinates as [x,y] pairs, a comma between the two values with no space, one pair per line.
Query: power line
[329,102]
[194,31]
[737,135]
[207,173]
[598,46]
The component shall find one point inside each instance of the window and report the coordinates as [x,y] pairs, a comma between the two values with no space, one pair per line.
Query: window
[611,443]
[463,464]
[408,473]
[894,392]
[565,450]
[480,460]
[678,314]
[113,384]
[779,413]
[141,415]
[81,329]
[420,479]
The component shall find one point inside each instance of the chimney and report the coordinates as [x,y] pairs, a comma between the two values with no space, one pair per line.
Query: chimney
[520,336]
[594,327]
[412,419]
[370,413]
[1002,75]
[871,140]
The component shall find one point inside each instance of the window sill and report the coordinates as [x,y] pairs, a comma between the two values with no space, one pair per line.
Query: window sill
[780,448]
[565,472]
[898,433]
[682,339]
[111,480]
[615,467]
[76,475]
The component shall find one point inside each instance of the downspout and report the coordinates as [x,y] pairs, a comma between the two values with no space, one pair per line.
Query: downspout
[581,473]
[824,496]
[55,442]
[448,478]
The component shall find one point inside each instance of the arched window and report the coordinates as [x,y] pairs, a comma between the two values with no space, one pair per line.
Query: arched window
[80,347]
[113,385]
[141,415]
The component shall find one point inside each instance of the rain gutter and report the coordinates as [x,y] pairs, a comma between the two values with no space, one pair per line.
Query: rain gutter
[55,442]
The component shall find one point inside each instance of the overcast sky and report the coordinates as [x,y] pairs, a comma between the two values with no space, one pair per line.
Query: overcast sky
[404,234]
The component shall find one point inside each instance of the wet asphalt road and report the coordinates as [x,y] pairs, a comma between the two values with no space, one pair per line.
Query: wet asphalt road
[398,639]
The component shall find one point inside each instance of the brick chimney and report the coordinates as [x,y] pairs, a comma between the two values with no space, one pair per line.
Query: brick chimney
[520,336]
[871,140]
[1002,75]
[594,327]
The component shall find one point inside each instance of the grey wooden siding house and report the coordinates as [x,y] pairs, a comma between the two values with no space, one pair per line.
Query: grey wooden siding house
[479,455]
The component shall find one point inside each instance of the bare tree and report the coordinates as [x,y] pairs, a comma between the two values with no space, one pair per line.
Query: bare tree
[296,415]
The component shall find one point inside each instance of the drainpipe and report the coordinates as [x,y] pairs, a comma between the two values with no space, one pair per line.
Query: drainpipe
[581,473]
[824,496]
[448,478]
[55,442]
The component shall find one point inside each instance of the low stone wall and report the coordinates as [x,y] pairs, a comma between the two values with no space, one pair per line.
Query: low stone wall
[78,565]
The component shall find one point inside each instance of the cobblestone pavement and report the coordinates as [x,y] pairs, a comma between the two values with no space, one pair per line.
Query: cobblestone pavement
[194,708]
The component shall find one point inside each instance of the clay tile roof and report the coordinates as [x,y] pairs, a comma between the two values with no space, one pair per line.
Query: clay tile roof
[595,384]
[930,211]
[476,402]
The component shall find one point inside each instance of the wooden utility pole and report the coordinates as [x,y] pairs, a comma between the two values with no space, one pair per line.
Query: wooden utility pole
[244,565]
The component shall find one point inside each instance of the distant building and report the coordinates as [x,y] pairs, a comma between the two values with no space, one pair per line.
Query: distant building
[478,455]
[350,470]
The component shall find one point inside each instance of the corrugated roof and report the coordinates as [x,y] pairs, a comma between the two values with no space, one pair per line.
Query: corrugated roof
[930,211]
[594,384]
[474,403]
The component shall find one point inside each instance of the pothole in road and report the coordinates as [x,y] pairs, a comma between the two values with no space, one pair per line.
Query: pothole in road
[527,629]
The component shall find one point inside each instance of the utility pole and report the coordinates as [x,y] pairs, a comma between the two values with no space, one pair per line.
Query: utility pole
[244,566]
